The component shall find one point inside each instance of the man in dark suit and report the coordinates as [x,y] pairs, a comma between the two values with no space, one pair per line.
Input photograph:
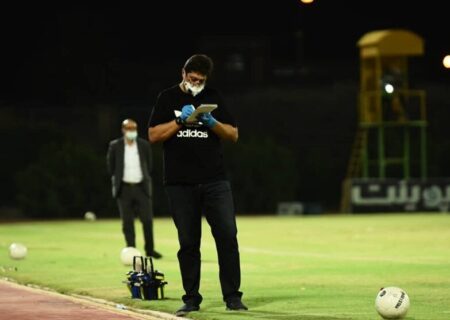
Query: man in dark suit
[129,162]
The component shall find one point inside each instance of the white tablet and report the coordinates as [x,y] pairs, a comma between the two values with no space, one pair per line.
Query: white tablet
[203,108]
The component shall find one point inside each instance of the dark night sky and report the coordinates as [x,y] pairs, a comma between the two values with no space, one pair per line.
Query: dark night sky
[117,55]
[36,38]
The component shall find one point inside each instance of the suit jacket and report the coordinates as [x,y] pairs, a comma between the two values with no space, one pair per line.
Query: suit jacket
[115,159]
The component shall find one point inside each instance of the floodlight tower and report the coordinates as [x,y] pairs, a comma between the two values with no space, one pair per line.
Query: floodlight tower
[391,116]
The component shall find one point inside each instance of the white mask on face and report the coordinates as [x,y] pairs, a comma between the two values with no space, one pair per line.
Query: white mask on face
[131,135]
[193,89]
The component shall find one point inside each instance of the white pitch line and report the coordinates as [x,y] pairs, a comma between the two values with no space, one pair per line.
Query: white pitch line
[412,260]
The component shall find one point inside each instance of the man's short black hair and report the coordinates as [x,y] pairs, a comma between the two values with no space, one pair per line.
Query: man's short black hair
[199,63]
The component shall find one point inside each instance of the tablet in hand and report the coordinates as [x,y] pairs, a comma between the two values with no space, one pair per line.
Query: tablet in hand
[203,108]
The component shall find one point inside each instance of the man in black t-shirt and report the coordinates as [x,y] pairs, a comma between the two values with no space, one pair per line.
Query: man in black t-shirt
[195,179]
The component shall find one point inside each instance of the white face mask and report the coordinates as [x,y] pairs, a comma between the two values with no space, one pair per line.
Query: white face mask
[131,135]
[194,90]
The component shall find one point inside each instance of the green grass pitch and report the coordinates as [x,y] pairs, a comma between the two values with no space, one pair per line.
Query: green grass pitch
[309,268]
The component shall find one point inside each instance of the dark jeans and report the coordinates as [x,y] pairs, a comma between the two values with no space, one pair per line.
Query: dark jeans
[215,201]
[132,202]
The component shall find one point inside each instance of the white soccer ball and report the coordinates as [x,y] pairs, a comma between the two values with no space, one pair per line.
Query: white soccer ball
[17,251]
[90,216]
[392,303]
[127,254]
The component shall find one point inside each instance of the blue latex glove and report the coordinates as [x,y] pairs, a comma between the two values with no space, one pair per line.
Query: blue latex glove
[186,111]
[208,120]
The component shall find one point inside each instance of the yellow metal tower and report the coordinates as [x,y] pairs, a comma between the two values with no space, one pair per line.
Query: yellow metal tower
[388,109]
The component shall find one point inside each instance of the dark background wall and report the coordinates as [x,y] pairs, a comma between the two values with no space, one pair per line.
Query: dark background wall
[70,76]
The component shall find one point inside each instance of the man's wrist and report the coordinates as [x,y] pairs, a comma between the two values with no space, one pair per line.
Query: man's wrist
[212,123]
[179,121]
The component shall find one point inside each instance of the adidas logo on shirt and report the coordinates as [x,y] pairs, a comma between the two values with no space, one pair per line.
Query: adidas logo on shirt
[189,133]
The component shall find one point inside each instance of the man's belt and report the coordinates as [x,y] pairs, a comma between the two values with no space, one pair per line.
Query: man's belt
[132,184]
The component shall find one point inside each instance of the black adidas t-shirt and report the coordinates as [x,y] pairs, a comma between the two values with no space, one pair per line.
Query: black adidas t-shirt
[194,155]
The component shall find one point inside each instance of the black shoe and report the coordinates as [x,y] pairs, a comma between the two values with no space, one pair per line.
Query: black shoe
[155,255]
[236,304]
[186,308]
